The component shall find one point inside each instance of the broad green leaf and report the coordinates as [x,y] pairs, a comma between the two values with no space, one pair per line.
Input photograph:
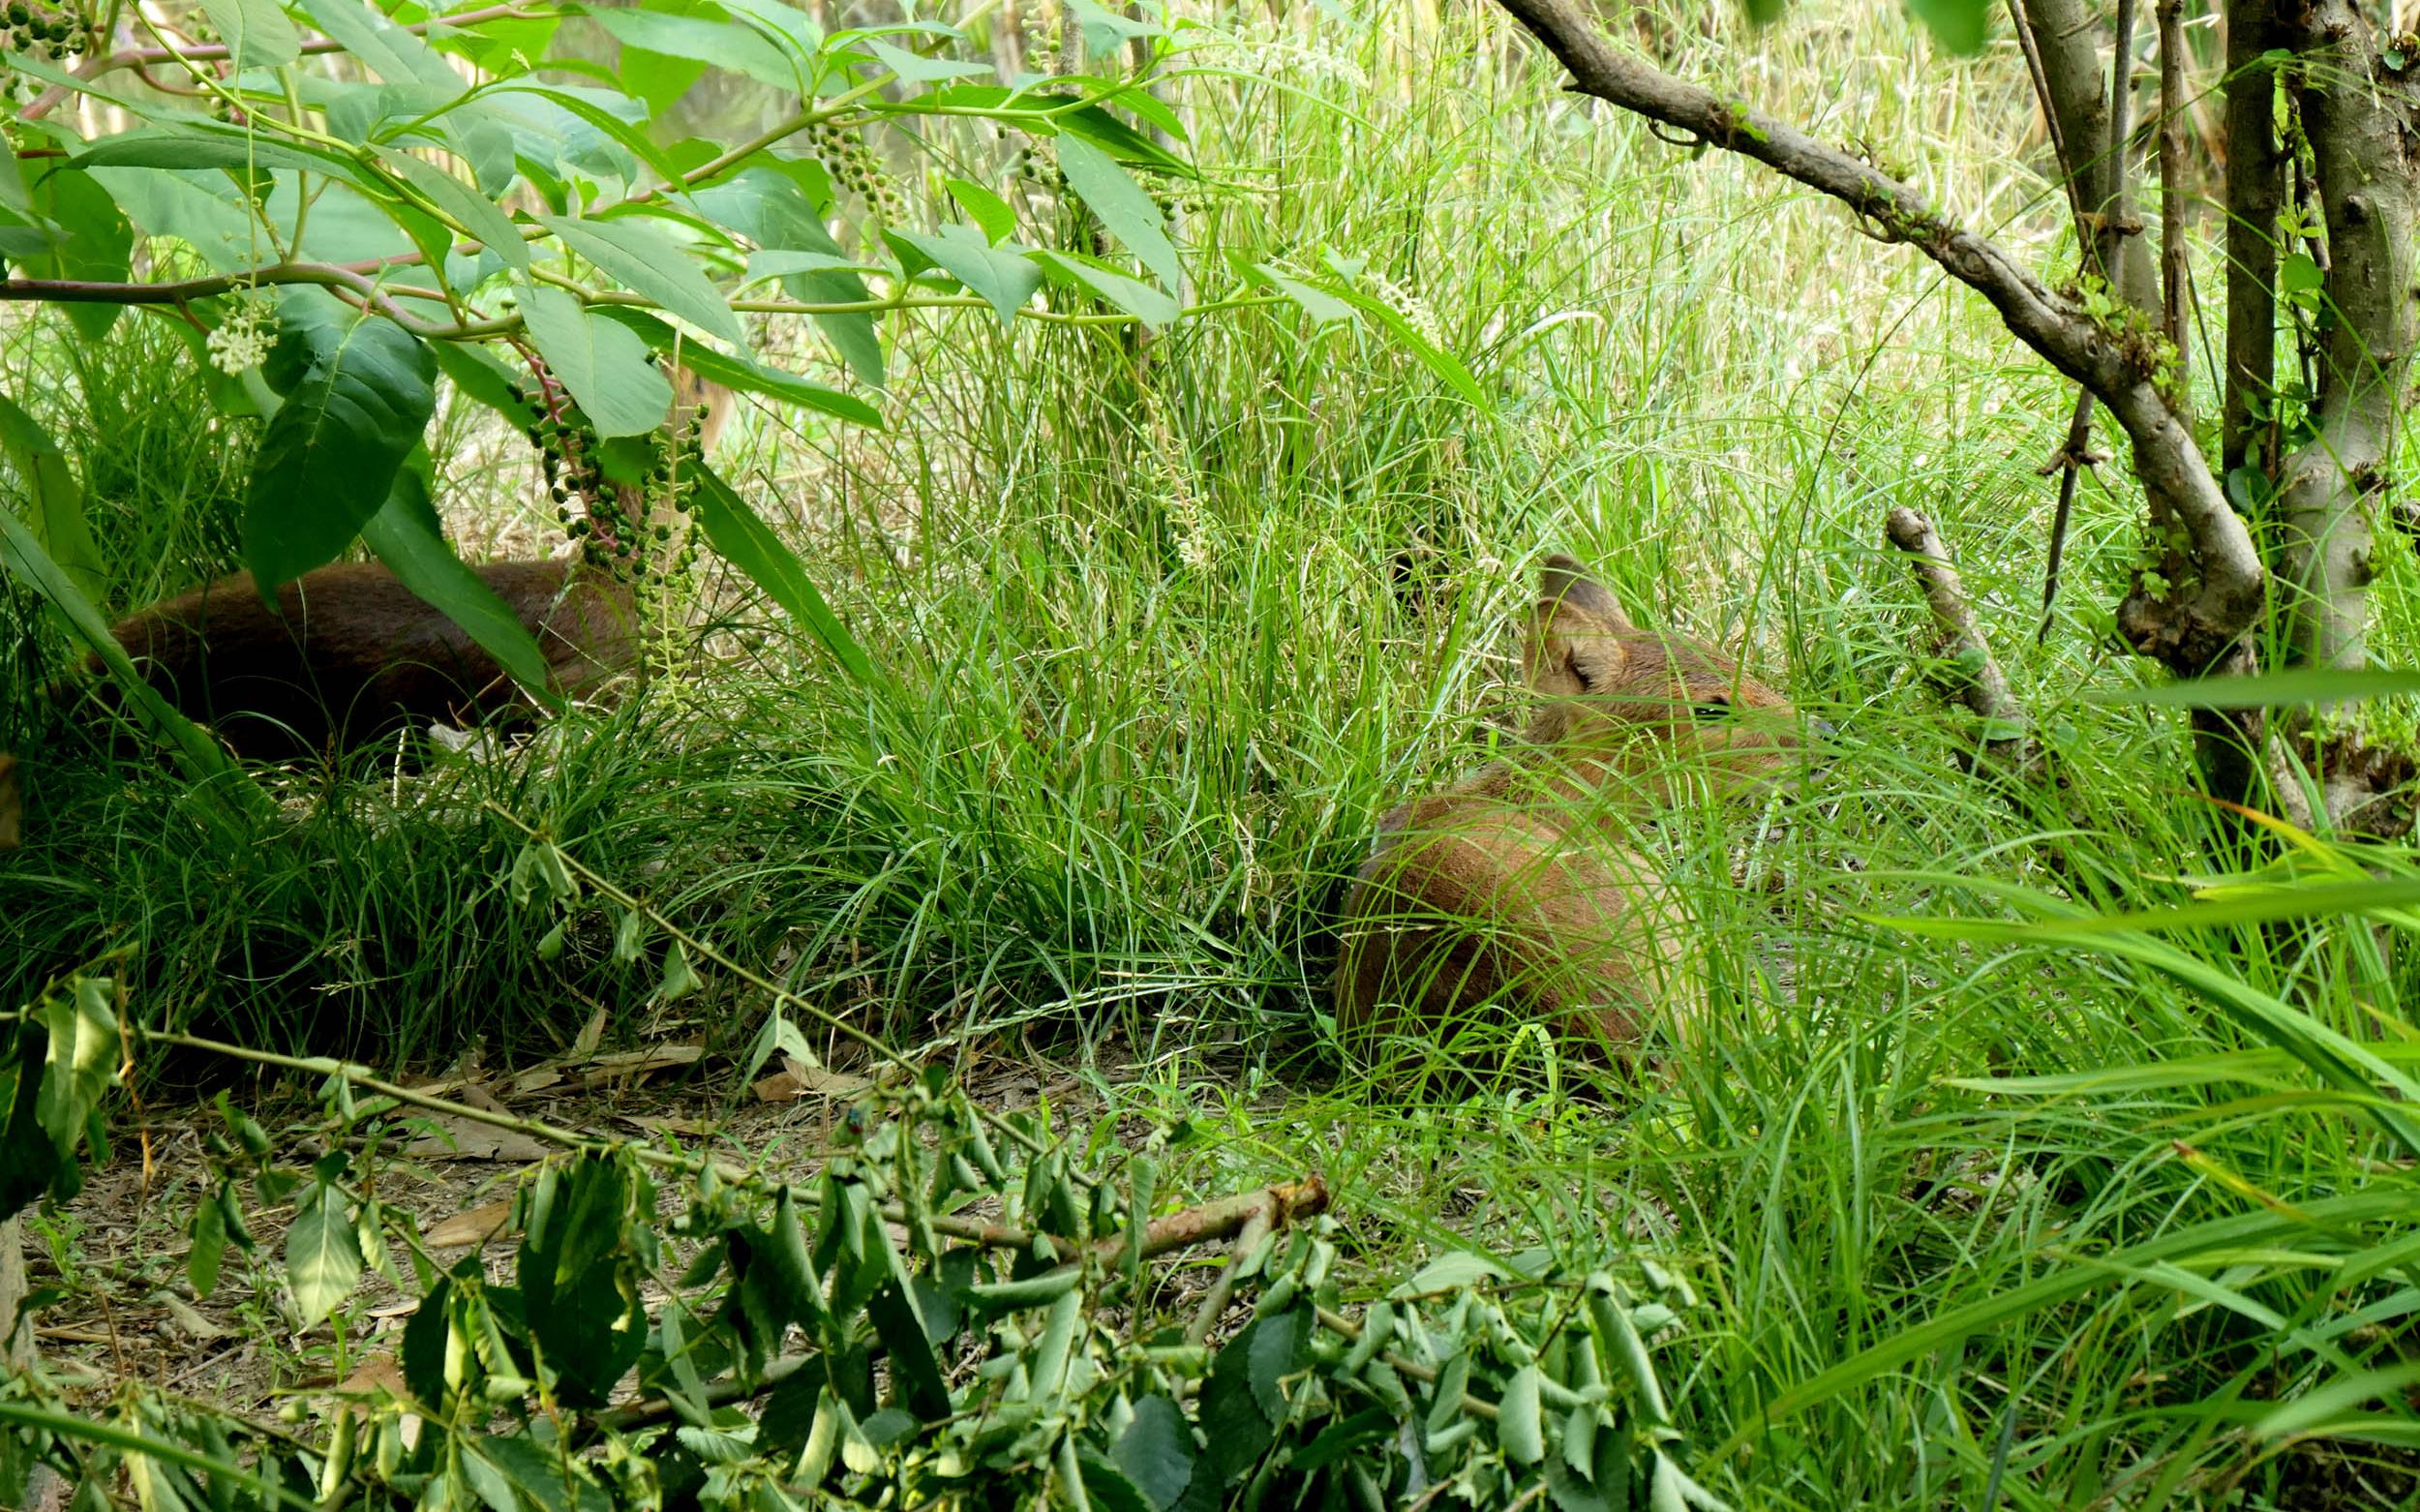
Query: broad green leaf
[2299,273]
[258,31]
[985,208]
[188,148]
[603,363]
[99,246]
[199,756]
[767,206]
[646,263]
[424,563]
[359,390]
[740,374]
[322,1257]
[580,1278]
[717,43]
[2270,689]
[1454,1269]
[1137,298]
[58,499]
[1129,212]
[1103,29]
[383,47]
[732,529]
[481,215]
[1519,1425]
[203,210]
[208,1234]
[1157,1451]
[914,67]
[1961,25]
[483,377]
[1323,308]
[1003,280]
[82,1059]
[619,132]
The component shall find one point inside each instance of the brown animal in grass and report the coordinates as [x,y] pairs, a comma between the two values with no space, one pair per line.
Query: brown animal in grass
[1511,891]
[350,653]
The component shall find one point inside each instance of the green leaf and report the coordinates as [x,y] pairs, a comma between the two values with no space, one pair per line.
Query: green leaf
[483,377]
[1157,1451]
[359,390]
[379,45]
[1133,296]
[1004,280]
[482,217]
[740,374]
[1519,1426]
[603,363]
[2298,273]
[985,208]
[766,206]
[732,529]
[322,1255]
[57,499]
[99,246]
[258,31]
[82,1059]
[646,263]
[1450,1271]
[679,978]
[1960,25]
[2270,689]
[423,562]
[580,1278]
[914,67]
[1323,308]
[1105,30]
[208,1231]
[716,44]
[1443,365]
[1123,207]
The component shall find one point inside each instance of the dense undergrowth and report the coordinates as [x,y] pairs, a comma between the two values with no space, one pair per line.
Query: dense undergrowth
[1163,627]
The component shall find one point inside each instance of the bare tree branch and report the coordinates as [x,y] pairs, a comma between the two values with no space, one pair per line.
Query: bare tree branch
[2192,614]
[1979,684]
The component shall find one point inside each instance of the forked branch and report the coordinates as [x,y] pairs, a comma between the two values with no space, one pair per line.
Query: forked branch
[2192,618]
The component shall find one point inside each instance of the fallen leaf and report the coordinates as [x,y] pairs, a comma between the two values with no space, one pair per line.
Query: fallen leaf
[471,1226]
[461,1140]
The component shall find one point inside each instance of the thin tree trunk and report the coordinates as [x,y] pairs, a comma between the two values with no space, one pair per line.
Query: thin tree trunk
[2080,92]
[2174,274]
[2356,114]
[2256,180]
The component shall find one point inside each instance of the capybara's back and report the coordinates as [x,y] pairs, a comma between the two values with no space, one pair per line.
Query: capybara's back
[1511,891]
[349,652]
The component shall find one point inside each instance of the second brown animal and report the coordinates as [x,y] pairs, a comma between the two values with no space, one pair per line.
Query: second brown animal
[1512,893]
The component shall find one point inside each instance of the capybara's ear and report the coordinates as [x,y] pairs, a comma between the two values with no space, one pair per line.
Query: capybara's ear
[11,804]
[1564,586]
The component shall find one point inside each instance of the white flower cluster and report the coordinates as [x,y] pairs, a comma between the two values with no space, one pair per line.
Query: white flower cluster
[242,340]
[1272,57]
[1412,307]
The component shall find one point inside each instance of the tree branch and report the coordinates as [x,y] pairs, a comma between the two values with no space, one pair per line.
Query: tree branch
[2192,617]
[1980,684]
[2078,94]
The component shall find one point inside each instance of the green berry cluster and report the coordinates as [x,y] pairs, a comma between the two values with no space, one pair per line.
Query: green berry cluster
[1041,171]
[854,167]
[47,33]
[620,509]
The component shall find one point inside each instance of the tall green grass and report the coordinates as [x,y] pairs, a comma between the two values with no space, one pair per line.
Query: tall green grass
[1164,628]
